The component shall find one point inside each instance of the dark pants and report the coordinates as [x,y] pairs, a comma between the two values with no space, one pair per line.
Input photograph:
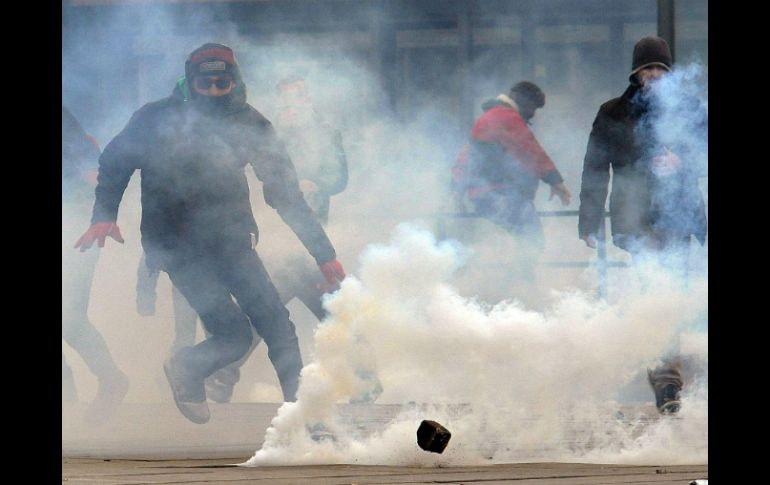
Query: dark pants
[185,317]
[209,283]
[298,278]
[185,320]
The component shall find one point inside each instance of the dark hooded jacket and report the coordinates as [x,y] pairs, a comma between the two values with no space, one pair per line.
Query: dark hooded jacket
[503,155]
[195,196]
[641,204]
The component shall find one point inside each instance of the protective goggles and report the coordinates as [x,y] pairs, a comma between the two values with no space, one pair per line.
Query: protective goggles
[204,83]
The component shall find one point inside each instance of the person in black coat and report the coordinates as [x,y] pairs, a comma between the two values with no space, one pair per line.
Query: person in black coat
[656,205]
[197,224]
[645,211]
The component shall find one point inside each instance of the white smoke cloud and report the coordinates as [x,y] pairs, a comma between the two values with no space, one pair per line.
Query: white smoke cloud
[681,113]
[509,383]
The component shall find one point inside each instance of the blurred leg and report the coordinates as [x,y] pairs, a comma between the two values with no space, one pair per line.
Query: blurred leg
[81,335]
[255,293]
[68,390]
[185,321]
[228,340]
[77,329]
[228,327]
[146,284]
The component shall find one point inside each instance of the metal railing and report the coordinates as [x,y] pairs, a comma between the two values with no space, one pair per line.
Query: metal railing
[601,263]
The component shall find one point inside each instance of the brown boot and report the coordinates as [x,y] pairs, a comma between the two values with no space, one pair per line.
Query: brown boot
[666,383]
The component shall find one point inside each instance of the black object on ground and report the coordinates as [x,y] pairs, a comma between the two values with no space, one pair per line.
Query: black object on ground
[432,437]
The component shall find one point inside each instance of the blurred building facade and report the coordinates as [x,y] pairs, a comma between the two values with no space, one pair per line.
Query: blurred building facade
[457,51]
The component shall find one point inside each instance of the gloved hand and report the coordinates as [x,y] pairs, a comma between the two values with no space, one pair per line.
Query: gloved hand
[334,273]
[99,230]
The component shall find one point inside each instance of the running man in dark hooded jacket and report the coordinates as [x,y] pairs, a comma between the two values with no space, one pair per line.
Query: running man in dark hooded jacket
[197,224]
[316,151]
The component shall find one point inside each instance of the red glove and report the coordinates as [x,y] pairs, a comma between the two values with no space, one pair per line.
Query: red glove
[100,231]
[333,272]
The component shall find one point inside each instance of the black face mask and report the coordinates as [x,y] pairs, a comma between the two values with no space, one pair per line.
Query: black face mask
[526,107]
[527,113]
[212,105]
[641,102]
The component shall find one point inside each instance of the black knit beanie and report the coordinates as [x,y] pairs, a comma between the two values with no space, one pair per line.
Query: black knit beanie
[526,92]
[650,51]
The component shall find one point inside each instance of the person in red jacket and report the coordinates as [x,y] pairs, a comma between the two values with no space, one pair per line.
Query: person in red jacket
[498,171]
